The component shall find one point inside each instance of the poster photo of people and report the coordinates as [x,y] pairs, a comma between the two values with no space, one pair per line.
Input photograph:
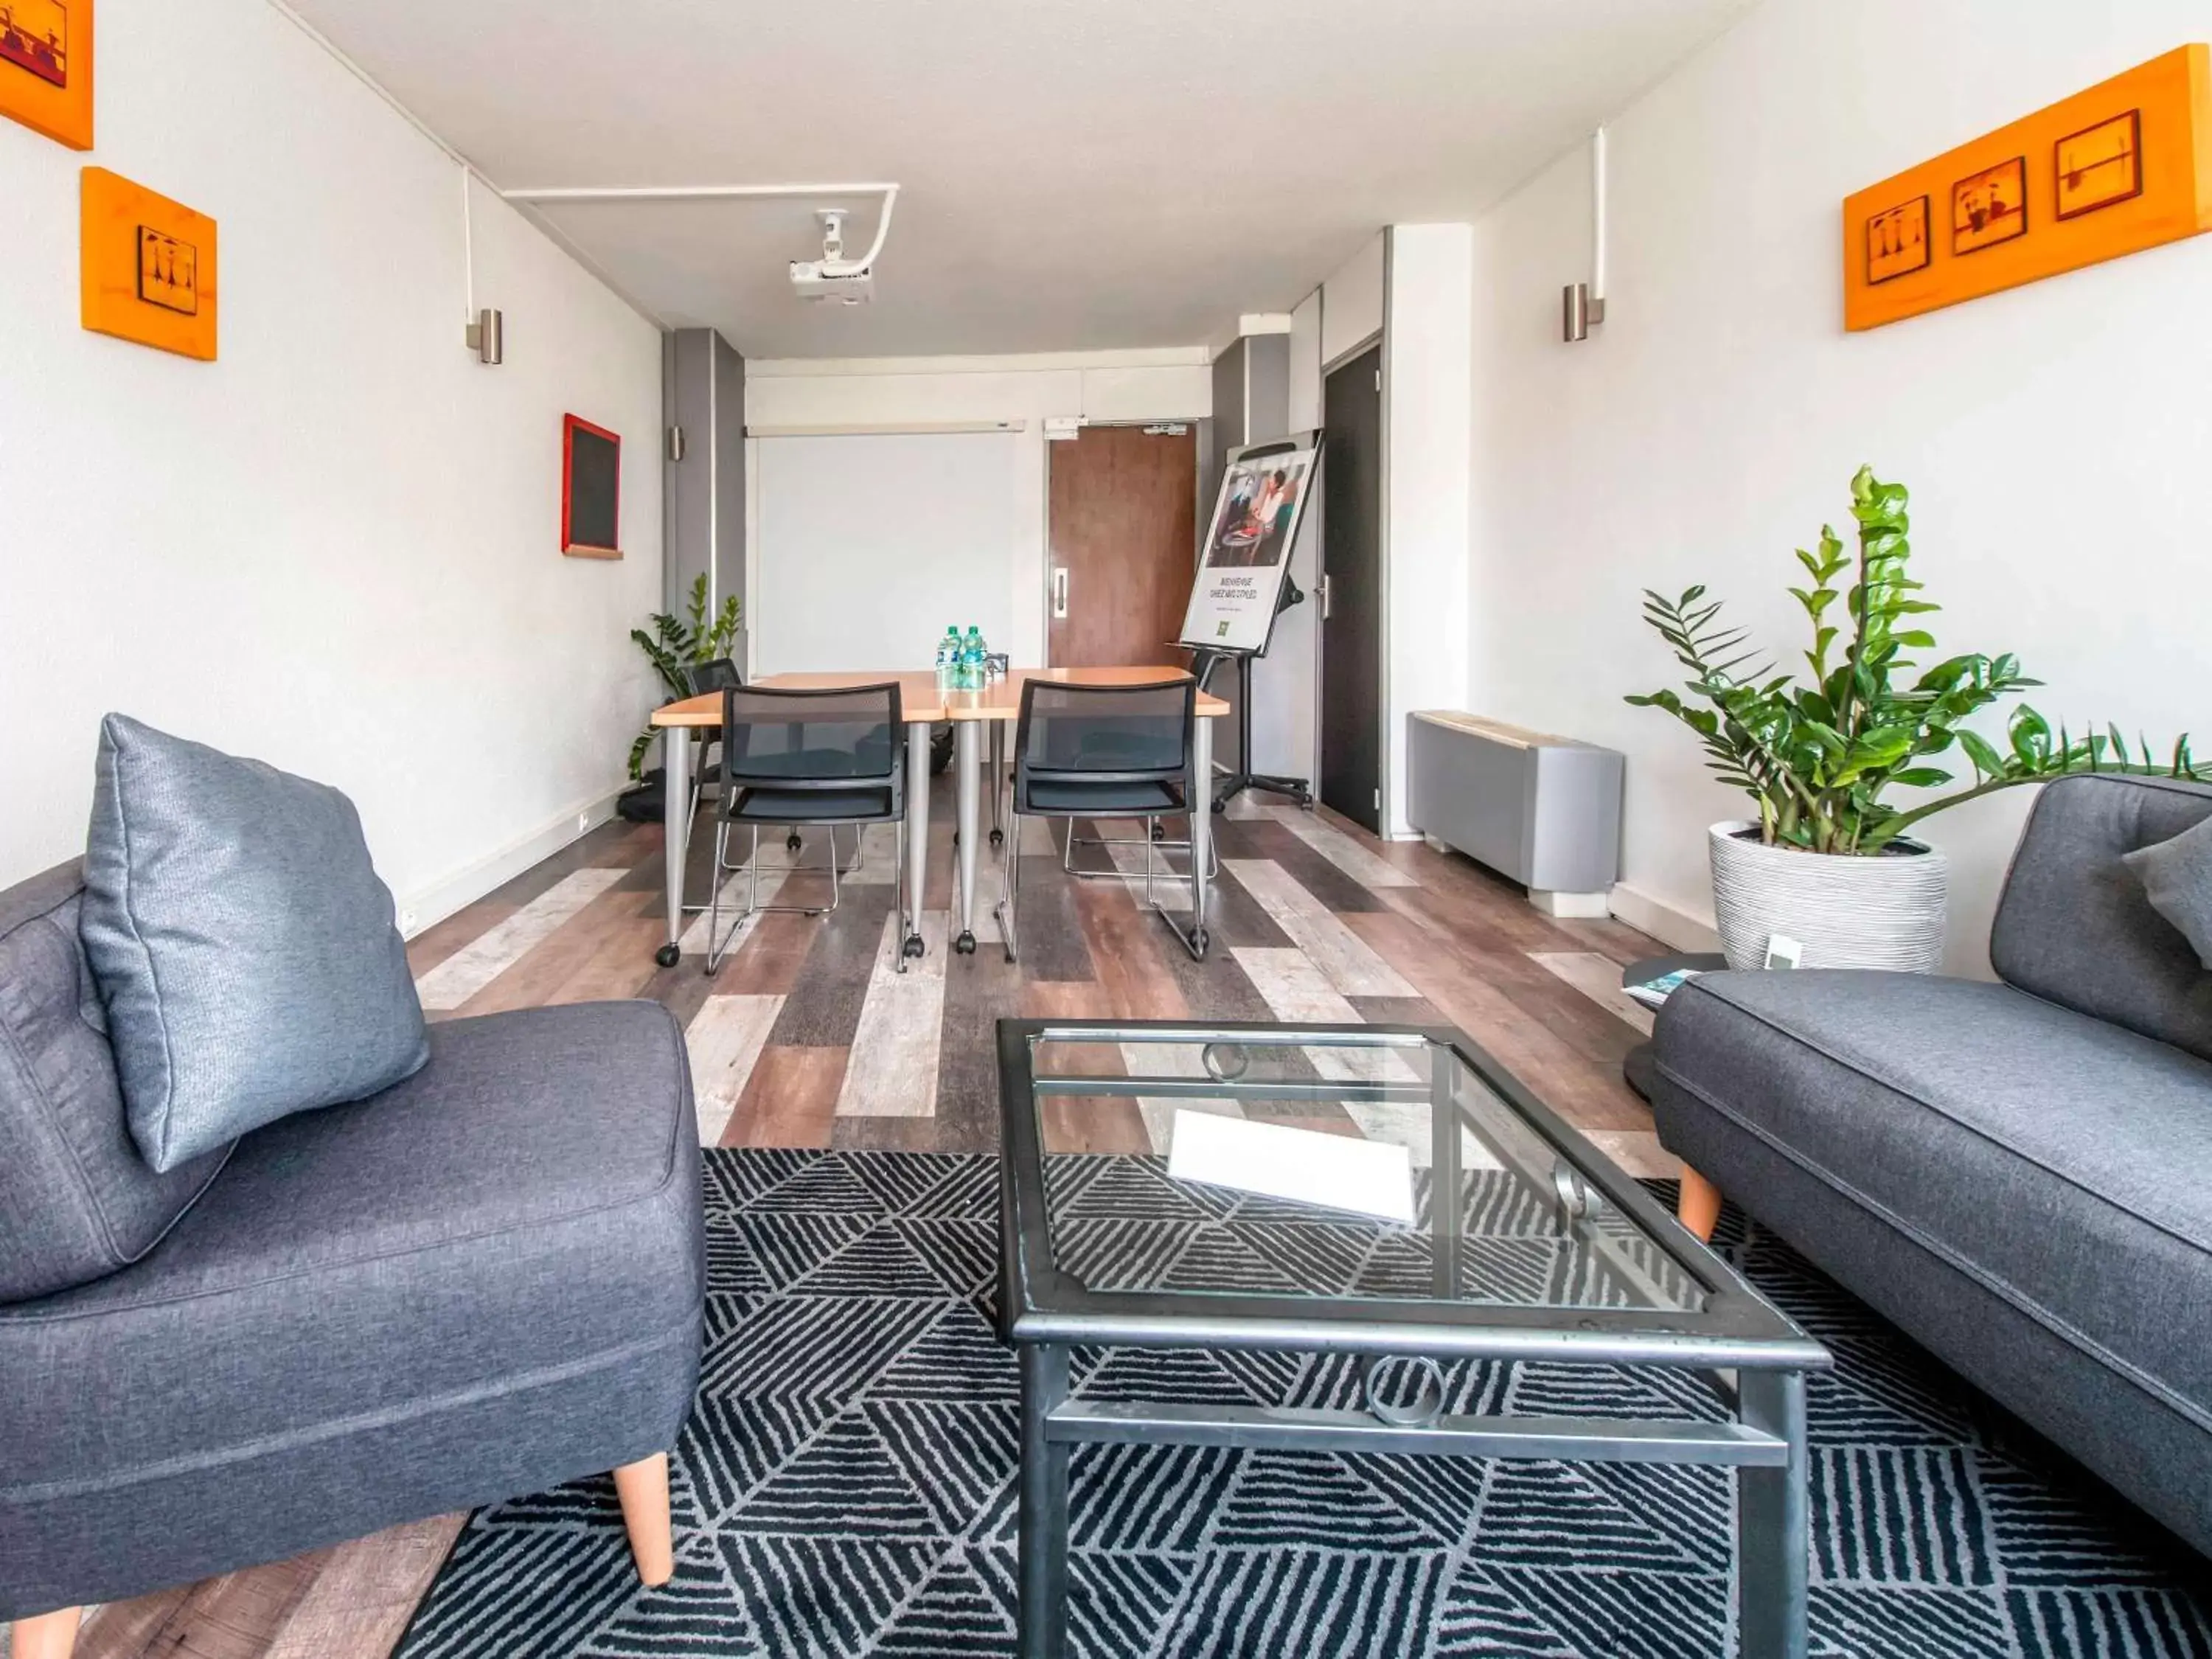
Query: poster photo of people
[1248,543]
[1258,510]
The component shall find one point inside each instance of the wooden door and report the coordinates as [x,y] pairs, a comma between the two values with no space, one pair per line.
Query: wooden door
[1352,619]
[1123,535]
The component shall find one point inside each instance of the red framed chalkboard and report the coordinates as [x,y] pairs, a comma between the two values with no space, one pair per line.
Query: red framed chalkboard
[591,490]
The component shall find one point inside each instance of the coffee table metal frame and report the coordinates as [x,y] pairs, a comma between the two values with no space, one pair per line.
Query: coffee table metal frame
[1754,1358]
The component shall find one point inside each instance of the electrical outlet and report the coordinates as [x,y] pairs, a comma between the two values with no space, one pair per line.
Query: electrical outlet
[583,821]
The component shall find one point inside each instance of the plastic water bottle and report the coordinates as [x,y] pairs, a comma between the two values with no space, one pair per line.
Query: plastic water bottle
[971,660]
[948,658]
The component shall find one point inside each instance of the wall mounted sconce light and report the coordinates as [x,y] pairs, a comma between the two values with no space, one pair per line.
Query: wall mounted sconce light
[487,336]
[1582,304]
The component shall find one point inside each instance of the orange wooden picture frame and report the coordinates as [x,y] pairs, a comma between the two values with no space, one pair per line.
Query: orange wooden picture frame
[2137,154]
[147,267]
[45,68]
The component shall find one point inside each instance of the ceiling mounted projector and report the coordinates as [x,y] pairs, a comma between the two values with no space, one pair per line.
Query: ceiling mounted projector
[833,278]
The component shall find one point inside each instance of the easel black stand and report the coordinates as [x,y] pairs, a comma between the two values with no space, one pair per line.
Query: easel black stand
[1235,783]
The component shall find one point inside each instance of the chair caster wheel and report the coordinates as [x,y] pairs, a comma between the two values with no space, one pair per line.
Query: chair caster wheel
[1221,806]
[791,843]
[998,838]
[965,945]
[1202,939]
[1159,832]
[914,947]
[667,955]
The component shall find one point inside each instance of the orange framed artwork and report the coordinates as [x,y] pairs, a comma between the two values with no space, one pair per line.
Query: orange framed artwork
[2121,168]
[45,68]
[148,267]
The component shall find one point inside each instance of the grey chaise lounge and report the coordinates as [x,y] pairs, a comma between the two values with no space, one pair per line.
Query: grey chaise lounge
[484,1281]
[2017,1174]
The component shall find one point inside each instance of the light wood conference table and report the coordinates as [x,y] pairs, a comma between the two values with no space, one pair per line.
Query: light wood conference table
[922,704]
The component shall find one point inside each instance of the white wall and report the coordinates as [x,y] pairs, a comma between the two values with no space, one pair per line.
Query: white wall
[337,547]
[1172,384]
[2055,438]
[1352,303]
[1427,423]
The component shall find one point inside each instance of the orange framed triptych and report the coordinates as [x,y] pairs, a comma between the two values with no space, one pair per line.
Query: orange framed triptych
[45,68]
[2121,168]
[147,266]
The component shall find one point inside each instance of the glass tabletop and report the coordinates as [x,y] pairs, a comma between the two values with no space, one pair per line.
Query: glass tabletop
[1373,1163]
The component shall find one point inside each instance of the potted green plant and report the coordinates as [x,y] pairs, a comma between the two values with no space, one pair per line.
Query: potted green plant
[676,646]
[1829,860]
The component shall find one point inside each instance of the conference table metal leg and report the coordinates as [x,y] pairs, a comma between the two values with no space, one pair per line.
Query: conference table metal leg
[677,752]
[968,787]
[998,780]
[917,830]
[1202,827]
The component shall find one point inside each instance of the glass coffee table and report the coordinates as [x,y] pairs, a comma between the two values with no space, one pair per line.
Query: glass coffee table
[1242,1237]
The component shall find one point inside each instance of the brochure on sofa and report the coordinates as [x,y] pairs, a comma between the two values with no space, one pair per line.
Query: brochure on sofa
[1654,993]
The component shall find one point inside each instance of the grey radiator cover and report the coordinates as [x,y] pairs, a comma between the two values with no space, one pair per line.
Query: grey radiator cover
[1544,811]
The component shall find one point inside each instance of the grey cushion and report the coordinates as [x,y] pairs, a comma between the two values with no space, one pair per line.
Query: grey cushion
[2075,927]
[243,944]
[2057,1163]
[2176,878]
[815,805]
[77,1200]
[484,1281]
[1061,795]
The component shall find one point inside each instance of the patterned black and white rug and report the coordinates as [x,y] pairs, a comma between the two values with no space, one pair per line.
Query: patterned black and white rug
[845,1490]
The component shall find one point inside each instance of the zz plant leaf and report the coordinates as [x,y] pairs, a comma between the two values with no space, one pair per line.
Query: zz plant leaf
[677,645]
[1818,759]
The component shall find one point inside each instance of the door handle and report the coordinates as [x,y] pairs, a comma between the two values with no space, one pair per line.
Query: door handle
[1324,585]
[1059,592]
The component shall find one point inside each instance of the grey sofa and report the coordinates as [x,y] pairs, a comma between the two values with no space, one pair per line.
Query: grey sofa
[2018,1175]
[482,1282]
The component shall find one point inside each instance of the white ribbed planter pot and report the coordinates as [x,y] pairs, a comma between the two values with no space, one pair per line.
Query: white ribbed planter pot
[1884,912]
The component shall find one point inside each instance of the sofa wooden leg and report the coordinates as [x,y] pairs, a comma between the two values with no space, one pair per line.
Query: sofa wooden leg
[49,1636]
[1700,1204]
[643,1488]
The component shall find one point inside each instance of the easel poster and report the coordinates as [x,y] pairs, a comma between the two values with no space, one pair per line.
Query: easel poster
[1248,545]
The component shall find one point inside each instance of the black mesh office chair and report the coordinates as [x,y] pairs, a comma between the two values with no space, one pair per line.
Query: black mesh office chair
[830,757]
[708,678]
[1104,752]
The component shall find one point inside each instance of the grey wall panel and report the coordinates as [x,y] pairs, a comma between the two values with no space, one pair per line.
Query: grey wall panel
[729,478]
[1266,387]
[1228,433]
[704,394]
[690,521]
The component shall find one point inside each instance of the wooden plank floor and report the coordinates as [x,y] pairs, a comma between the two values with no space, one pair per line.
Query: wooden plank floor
[805,1038]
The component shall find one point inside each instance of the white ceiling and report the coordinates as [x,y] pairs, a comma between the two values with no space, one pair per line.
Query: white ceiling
[1078,175]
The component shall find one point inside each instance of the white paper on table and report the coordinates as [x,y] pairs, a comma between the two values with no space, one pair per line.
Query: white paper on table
[1307,1166]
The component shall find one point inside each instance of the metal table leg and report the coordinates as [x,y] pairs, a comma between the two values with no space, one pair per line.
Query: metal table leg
[917,830]
[676,754]
[968,764]
[1044,1512]
[1771,1538]
[1202,828]
[998,762]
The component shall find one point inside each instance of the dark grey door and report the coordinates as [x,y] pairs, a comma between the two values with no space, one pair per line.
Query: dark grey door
[1352,623]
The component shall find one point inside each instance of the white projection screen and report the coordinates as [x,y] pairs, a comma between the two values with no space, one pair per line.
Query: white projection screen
[870,546]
